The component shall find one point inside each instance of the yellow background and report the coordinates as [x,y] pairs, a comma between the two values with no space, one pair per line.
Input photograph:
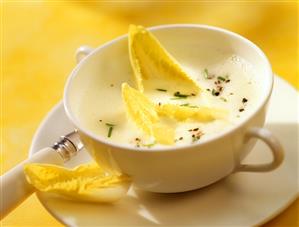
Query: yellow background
[38,44]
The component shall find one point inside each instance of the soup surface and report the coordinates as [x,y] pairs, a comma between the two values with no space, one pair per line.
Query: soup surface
[231,84]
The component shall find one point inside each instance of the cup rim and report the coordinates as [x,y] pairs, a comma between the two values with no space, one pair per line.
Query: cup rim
[221,134]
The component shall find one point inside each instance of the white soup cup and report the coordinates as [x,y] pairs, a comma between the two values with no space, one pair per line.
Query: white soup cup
[184,168]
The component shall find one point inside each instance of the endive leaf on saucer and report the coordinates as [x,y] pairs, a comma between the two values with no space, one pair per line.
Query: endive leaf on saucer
[152,63]
[197,113]
[143,113]
[87,182]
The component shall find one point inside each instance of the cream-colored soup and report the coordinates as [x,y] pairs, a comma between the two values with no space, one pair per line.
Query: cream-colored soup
[230,84]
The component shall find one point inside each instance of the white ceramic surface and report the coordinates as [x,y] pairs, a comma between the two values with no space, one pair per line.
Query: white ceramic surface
[242,199]
[174,168]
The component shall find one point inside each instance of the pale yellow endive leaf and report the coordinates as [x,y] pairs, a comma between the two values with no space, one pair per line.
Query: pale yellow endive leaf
[182,113]
[87,182]
[143,113]
[150,61]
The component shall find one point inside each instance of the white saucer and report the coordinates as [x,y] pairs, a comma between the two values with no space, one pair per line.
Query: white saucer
[242,199]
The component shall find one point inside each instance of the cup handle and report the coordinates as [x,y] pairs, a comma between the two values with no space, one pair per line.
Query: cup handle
[82,52]
[274,145]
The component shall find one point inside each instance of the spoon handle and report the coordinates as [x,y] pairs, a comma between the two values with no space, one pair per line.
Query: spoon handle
[14,187]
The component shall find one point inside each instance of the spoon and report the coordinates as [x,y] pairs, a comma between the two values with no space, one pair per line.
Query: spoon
[14,188]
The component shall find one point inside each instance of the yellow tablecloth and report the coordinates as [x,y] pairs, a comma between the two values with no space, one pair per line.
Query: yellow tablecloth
[38,44]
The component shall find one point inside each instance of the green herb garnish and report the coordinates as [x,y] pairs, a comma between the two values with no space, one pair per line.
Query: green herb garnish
[223,99]
[176,140]
[110,129]
[176,98]
[178,94]
[185,104]
[221,78]
[161,89]
[110,125]
[188,105]
[206,74]
[149,145]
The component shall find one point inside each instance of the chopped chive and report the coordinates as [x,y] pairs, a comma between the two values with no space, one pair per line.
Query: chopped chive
[181,95]
[223,99]
[110,128]
[185,104]
[176,140]
[176,98]
[206,74]
[149,145]
[188,105]
[110,125]
[194,139]
[178,94]
[161,89]
[221,78]
[110,131]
